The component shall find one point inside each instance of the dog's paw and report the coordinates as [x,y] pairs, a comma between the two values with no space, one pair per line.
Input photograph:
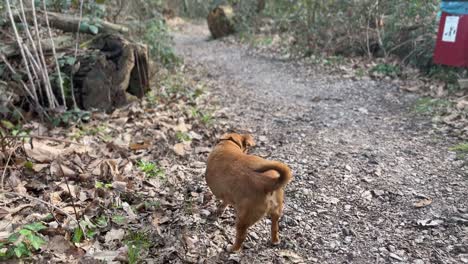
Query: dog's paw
[275,242]
[234,249]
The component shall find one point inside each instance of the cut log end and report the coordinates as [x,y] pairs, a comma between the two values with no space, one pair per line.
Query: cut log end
[220,21]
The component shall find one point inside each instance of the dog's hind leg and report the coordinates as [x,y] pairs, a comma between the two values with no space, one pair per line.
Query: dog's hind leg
[245,220]
[221,207]
[275,216]
[219,211]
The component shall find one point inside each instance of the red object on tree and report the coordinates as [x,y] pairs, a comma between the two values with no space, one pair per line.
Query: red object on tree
[452,41]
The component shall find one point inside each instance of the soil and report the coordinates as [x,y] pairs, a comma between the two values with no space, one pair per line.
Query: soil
[373,181]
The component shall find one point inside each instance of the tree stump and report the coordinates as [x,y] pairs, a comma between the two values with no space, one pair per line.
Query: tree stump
[221,21]
[112,75]
[260,5]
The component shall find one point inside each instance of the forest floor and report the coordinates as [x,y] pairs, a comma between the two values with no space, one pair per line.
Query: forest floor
[373,181]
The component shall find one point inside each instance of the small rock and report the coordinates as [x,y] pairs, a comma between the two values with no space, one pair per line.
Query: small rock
[378,193]
[363,110]
[333,200]
[395,256]
[205,213]
[348,168]
[418,261]
[367,195]
[254,235]
[383,250]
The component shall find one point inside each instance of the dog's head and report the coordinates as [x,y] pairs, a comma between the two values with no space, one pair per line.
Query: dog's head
[244,141]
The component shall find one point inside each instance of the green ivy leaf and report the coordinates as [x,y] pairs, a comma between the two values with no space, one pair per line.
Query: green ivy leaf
[36,242]
[84,26]
[93,29]
[21,250]
[70,60]
[13,238]
[28,165]
[77,235]
[25,232]
[35,226]
[7,124]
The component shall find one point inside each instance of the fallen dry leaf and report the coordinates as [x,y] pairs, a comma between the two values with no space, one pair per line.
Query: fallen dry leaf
[59,245]
[140,146]
[423,203]
[429,222]
[179,149]
[181,126]
[114,234]
[131,215]
[293,257]
[42,152]
[39,167]
[3,213]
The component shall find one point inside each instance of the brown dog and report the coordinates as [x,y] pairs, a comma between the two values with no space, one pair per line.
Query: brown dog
[252,185]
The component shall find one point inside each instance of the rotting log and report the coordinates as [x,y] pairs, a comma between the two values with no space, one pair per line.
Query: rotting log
[113,74]
[60,42]
[221,21]
[70,23]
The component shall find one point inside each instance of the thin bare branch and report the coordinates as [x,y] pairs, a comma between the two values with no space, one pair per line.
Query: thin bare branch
[57,65]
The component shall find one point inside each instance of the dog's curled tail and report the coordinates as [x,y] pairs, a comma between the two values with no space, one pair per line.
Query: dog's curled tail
[269,184]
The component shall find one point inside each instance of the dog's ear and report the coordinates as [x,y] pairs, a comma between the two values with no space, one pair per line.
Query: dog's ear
[234,137]
[248,141]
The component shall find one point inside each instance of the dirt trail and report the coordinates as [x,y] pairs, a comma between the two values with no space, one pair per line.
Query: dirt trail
[361,160]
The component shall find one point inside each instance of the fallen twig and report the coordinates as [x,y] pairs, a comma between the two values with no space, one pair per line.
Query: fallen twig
[44,202]
[6,168]
[47,138]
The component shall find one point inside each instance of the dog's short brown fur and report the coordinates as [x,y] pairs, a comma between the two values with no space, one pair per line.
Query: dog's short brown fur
[252,185]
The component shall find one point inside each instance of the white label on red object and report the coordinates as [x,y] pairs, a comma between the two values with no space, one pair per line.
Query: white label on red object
[450,29]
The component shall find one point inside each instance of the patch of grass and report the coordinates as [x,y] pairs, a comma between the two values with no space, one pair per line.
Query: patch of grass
[360,73]
[89,231]
[7,128]
[427,105]
[22,243]
[152,98]
[99,131]
[119,219]
[138,244]
[444,73]
[263,41]
[151,169]
[333,60]
[102,185]
[206,117]
[183,137]
[153,204]
[387,69]
[461,149]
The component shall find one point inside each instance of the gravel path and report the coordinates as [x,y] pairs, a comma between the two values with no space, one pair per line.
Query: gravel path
[362,161]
